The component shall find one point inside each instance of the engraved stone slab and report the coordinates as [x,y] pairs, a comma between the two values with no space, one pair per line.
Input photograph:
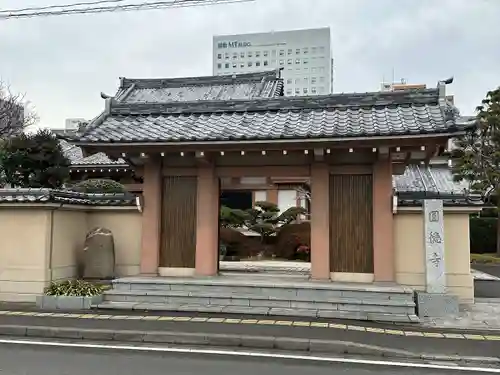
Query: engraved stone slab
[434,246]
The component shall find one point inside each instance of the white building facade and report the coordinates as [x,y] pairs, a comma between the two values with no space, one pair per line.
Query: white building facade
[304,55]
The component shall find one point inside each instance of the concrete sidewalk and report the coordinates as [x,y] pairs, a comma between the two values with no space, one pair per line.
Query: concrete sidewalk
[302,336]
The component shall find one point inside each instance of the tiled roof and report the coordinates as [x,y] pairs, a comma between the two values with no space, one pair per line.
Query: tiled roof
[66,197]
[75,156]
[294,118]
[242,86]
[433,181]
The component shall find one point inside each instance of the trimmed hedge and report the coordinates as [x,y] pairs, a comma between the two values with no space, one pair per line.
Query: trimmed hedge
[483,235]
[98,186]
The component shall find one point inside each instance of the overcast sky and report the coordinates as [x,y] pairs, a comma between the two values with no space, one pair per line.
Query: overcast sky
[63,63]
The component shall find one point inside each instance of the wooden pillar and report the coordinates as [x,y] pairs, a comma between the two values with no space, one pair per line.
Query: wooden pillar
[383,238]
[207,222]
[320,222]
[151,217]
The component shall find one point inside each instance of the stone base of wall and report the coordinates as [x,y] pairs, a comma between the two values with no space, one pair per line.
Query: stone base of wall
[66,302]
[435,305]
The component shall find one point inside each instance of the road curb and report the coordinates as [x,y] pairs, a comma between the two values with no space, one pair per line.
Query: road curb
[315,346]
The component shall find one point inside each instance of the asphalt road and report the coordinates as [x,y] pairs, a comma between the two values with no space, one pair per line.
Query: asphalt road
[41,360]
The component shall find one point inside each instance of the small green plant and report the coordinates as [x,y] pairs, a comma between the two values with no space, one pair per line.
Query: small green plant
[98,186]
[73,288]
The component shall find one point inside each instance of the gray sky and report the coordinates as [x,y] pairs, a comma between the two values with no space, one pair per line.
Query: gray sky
[63,63]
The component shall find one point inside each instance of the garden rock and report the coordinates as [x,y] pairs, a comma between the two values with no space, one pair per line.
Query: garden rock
[99,254]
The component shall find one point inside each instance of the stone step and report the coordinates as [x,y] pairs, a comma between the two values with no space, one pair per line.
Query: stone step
[200,298]
[264,311]
[288,289]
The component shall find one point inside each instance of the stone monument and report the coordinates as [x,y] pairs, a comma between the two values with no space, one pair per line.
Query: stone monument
[435,301]
[99,255]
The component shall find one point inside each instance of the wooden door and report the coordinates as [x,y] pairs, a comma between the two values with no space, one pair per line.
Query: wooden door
[351,223]
[179,222]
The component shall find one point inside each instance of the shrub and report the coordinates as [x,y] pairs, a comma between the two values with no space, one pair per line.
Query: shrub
[484,259]
[483,235]
[73,288]
[98,186]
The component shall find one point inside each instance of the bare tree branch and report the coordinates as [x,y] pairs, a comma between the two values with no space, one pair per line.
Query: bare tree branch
[15,114]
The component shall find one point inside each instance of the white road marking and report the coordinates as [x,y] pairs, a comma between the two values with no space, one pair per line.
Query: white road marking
[251,354]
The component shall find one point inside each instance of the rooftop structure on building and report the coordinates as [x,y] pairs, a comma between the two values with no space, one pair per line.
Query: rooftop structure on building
[304,55]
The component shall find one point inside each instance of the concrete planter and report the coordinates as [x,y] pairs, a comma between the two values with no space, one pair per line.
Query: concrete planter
[67,302]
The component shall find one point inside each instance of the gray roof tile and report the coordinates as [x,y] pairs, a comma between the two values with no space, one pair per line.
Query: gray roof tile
[242,86]
[419,181]
[332,116]
[76,158]
[66,197]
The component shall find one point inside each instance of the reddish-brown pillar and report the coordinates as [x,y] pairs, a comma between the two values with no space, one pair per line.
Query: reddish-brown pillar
[207,222]
[320,222]
[151,217]
[383,242]
[272,195]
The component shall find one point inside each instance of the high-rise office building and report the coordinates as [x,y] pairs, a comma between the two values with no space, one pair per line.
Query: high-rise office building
[304,56]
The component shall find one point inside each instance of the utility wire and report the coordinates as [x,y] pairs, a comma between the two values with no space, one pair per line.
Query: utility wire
[116,8]
[59,6]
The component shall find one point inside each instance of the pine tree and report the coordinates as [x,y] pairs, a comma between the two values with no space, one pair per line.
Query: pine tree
[33,160]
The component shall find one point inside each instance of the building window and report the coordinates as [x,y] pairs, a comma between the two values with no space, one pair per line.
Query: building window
[242,55]
[266,53]
[249,54]
[257,63]
[305,61]
[313,90]
[282,52]
[313,79]
[235,65]
[313,70]
[226,55]
[257,53]
[219,56]
[282,62]
[297,51]
[219,66]
[273,53]
[297,61]
[242,65]
[289,61]
[250,63]
[266,63]
[290,51]
[289,81]
[306,80]
[305,51]
[306,70]
[289,92]
[235,56]
[313,50]
[297,90]
[226,65]
[305,90]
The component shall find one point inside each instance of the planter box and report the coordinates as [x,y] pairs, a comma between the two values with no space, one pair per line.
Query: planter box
[67,302]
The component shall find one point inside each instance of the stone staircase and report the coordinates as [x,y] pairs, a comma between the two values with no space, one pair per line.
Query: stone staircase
[281,296]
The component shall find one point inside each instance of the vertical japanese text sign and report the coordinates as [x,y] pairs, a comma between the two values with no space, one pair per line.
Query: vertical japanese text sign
[434,246]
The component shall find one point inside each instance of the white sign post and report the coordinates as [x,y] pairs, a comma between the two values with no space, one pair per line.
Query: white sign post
[434,246]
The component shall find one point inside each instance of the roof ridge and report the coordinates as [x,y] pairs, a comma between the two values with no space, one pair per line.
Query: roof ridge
[283,103]
[268,75]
